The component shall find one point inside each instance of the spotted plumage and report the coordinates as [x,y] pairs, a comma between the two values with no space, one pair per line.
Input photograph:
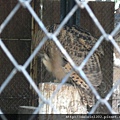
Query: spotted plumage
[77,42]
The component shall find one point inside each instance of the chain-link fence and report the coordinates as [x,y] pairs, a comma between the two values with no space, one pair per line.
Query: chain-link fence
[19,68]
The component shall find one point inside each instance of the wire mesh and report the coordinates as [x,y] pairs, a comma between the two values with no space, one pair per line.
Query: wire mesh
[105,35]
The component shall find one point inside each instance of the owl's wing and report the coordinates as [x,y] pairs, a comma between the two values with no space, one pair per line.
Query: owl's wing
[78,42]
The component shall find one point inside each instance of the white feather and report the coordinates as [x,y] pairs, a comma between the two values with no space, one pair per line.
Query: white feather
[116,60]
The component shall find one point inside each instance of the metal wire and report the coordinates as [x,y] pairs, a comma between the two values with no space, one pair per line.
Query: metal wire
[53,36]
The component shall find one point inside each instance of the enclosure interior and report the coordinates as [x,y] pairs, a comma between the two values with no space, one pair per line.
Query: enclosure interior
[18,35]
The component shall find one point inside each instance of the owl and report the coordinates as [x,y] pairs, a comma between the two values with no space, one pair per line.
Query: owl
[77,42]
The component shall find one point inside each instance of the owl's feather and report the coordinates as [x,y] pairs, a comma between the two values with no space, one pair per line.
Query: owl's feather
[77,42]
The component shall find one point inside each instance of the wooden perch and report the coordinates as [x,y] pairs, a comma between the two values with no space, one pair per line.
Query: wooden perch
[66,101]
